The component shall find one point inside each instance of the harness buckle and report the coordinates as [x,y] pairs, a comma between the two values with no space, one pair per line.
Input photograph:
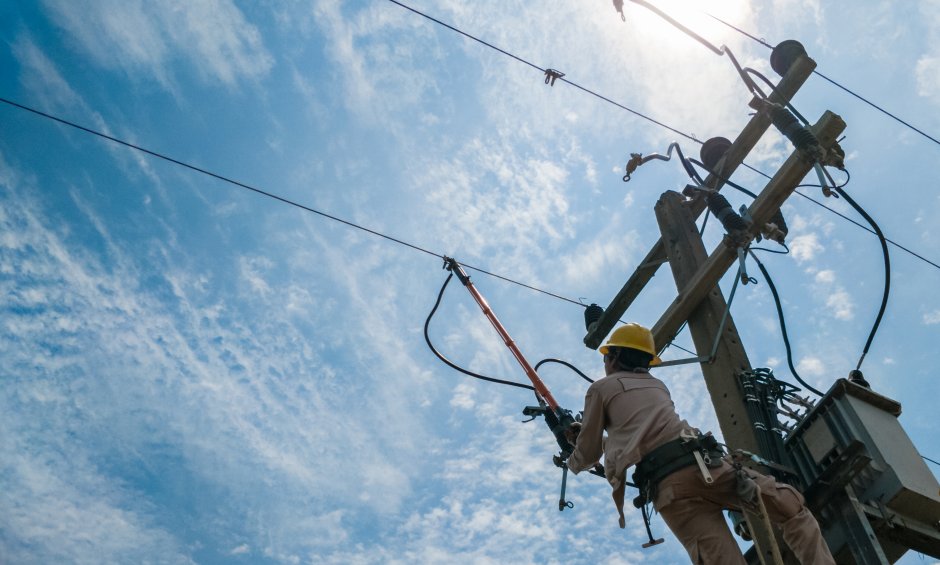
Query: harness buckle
[700,453]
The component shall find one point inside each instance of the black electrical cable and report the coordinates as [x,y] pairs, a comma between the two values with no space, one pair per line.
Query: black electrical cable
[774,88]
[783,325]
[887,262]
[566,364]
[427,338]
[689,169]
[701,230]
[786,249]
[727,181]
[929,459]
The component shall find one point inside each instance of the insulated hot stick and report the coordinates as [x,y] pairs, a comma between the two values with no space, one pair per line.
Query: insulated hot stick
[557,418]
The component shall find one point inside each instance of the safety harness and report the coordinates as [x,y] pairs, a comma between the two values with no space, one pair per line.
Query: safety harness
[672,456]
[688,450]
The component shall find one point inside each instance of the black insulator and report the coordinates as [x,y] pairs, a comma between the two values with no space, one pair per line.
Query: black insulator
[789,126]
[721,209]
[713,150]
[855,376]
[592,314]
[777,220]
[785,54]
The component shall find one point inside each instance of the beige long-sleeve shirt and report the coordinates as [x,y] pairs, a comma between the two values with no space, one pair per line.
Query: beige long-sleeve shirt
[636,411]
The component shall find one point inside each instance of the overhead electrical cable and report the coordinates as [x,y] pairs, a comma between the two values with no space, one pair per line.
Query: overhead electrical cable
[645,117]
[834,83]
[273,196]
[540,69]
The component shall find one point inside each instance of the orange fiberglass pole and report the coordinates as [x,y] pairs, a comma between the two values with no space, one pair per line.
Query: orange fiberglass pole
[540,389]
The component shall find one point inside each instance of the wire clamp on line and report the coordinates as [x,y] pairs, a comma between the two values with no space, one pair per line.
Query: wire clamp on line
[551,75]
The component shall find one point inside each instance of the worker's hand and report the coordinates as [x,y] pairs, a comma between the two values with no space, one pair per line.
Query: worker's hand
[558,461]
[571,434]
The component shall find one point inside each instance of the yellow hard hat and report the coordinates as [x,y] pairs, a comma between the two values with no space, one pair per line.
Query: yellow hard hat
[633,336]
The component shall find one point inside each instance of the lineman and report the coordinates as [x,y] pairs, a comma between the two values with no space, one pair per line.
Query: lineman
[643,429]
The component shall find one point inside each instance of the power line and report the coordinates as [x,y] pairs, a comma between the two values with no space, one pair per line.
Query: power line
[834,83]
[540,69]
[272,195]
[869,230]
[648,118]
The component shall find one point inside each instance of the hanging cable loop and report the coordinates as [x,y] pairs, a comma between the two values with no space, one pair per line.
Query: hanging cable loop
[448,362]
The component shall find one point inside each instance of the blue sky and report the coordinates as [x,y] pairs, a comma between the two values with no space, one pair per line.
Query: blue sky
[196,373]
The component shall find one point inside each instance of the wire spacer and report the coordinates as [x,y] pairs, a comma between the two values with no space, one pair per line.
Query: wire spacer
[551,75]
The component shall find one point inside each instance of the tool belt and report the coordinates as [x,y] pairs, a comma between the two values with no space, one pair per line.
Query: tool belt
[669,458]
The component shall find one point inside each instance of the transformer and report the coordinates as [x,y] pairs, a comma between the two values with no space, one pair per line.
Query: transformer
[872,492]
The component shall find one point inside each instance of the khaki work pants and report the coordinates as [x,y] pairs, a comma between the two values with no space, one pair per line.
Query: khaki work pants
[693,511]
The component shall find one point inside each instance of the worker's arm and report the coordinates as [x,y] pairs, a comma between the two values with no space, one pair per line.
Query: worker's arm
[587,452]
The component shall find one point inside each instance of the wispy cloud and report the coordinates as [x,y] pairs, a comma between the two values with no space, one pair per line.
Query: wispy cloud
[193,393]
[927,68]
[496,196]
[46,84]
[41,77]
[805,247]
[811,366]
[838,301]
[146,40]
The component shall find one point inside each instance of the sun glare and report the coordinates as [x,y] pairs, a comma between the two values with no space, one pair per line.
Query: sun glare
[694,14]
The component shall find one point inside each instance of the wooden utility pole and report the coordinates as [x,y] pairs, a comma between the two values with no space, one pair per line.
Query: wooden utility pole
[866,483]
[700,301]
